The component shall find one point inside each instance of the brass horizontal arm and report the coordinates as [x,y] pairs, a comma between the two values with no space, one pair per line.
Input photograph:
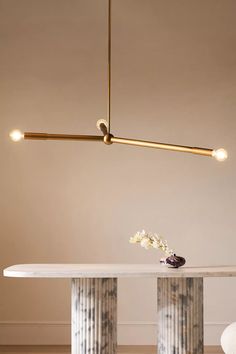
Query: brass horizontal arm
[157,145]
[219,154]
[46,136]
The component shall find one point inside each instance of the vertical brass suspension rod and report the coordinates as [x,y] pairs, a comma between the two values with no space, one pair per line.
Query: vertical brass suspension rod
[109,68]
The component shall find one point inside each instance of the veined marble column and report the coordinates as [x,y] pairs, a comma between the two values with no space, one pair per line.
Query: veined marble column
[180,315]
[94,316]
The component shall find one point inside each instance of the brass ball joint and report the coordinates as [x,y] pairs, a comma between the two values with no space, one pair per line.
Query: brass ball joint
[108,139]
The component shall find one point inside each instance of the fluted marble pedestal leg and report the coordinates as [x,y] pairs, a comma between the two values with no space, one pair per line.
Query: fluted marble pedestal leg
[94,316]
[180,315]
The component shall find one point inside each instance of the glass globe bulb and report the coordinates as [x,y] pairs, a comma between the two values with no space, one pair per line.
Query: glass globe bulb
[220,154]
[16,135]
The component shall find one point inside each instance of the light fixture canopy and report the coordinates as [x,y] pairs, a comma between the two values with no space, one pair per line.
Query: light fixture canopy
[105,126]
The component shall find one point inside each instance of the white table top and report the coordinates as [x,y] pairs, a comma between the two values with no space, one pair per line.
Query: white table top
[115,271]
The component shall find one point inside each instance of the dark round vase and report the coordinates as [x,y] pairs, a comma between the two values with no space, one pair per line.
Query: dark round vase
[174,261]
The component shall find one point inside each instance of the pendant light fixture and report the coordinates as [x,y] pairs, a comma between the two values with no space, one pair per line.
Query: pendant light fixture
[105,126]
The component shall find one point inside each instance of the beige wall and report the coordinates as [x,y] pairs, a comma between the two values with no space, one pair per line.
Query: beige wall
[174,80]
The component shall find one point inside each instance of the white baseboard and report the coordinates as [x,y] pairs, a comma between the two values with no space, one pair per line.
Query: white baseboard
[58,333]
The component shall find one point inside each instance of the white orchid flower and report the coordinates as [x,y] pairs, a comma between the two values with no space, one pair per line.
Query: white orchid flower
[148,240]
[146,243]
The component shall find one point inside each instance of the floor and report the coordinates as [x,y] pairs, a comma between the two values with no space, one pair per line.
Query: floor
[66,350]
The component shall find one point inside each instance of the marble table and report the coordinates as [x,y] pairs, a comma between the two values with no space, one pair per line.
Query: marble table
[94,302]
